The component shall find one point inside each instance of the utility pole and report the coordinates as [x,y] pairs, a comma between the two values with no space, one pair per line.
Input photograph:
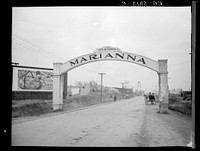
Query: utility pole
[126,87]
[123,88]
[139,87]
[101,85]
[126,82]
[122,85]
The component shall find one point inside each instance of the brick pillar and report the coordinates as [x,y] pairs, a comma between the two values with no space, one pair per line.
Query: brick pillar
[58,81]
[163,86]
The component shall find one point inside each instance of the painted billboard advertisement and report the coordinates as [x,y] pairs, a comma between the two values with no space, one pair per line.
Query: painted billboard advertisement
[34,80]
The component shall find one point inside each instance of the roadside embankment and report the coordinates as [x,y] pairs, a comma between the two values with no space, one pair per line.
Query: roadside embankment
[22,108]
[176,103]
[31,107]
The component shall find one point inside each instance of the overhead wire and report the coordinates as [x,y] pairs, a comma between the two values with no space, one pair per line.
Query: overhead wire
[32,49]
[34,46]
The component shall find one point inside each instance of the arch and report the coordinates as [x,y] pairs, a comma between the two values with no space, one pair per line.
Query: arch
[112,54]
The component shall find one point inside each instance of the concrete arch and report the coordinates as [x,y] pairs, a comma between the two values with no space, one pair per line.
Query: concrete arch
[112,54]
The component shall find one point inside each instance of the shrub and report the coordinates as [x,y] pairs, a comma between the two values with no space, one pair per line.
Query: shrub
[172,98]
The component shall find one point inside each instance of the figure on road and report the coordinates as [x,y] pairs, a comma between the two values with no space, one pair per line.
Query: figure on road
[151,98]
[115,98]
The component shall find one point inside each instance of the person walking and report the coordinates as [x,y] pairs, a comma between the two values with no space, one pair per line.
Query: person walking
[153,99]
[115,98]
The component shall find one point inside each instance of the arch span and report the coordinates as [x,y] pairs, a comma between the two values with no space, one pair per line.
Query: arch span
[109,55]
[112,54]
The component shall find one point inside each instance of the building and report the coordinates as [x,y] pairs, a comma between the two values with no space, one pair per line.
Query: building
[124,90]
[73,90]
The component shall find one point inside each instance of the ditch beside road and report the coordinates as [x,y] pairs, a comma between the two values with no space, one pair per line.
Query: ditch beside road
[122,123]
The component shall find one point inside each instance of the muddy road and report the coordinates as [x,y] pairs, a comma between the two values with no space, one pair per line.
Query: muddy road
[122,123]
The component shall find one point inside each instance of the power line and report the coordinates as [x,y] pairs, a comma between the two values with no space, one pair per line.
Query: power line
[30,48]
[34,46]
[33,49]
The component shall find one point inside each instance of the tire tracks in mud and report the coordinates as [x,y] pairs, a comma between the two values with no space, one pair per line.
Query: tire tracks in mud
[143,138]
[140,136]
[162,129]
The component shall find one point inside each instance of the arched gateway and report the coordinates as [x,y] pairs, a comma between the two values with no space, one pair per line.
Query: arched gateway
[60,71]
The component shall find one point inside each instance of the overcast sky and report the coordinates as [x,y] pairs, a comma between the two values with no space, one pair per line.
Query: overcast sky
[43,35]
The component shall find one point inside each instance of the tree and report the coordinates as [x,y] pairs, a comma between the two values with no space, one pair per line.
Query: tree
[79,84]
[92,84]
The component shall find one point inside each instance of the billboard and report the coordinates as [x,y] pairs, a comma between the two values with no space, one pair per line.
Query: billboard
[32,80]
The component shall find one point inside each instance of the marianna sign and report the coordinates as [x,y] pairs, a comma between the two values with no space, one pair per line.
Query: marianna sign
[109,53]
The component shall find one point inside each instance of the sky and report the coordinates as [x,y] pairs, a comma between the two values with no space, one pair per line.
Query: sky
[44,35]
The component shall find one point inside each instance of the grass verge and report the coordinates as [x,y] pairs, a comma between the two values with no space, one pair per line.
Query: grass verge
[23,108]
[176,103]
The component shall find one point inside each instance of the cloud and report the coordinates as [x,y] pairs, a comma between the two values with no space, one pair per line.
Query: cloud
[96,23]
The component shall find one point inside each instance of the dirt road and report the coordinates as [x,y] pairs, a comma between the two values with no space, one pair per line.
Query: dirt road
[121,123]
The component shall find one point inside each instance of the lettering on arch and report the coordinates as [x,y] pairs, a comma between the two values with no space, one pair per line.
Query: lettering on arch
[110,53]
[107,56]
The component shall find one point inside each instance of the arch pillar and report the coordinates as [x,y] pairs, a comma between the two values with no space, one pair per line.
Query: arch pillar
[58,81]
[163,86]
[65,88]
